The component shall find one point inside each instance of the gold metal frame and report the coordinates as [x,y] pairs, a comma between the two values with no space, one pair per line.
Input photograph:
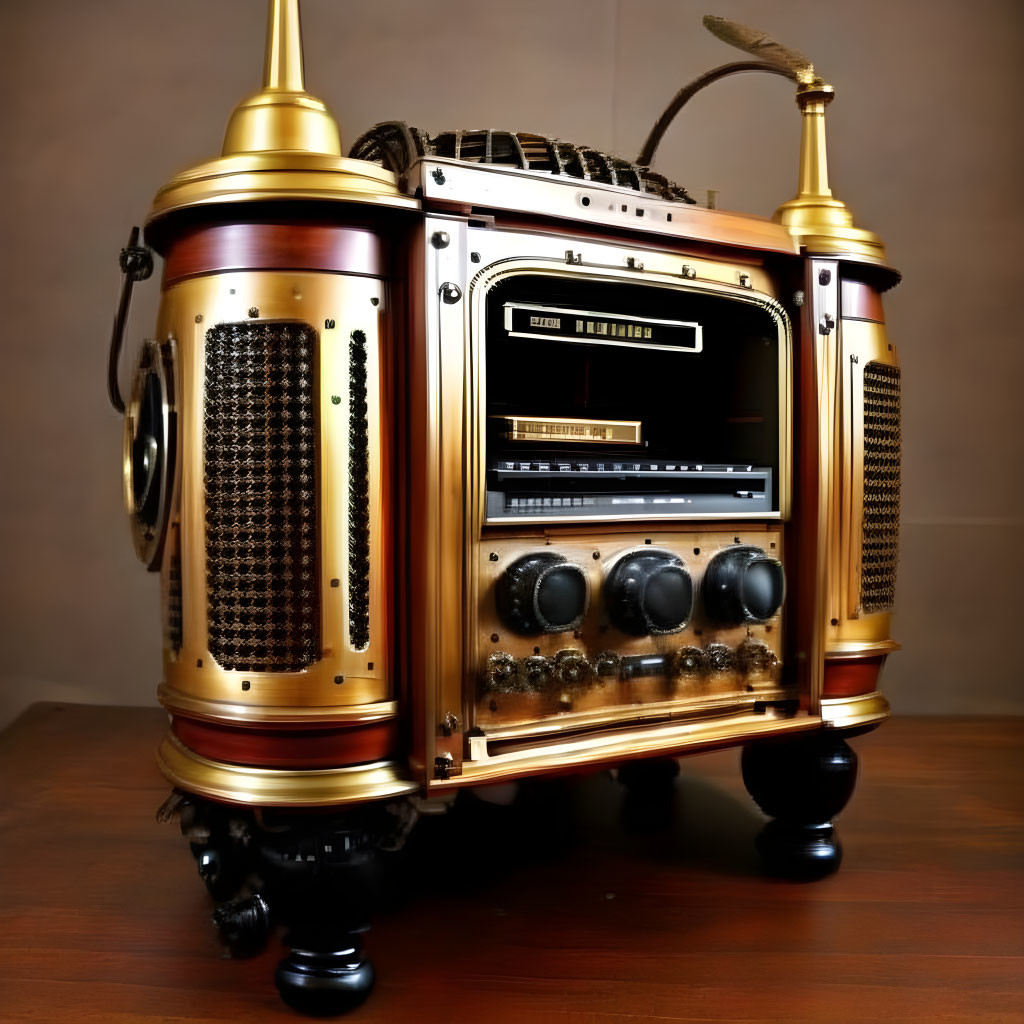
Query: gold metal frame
[195,683]
[856,634]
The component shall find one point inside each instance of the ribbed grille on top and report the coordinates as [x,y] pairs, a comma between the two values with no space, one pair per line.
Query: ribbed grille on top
[260,475]
[882,445]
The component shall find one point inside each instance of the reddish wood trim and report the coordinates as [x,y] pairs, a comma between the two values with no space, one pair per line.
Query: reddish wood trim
[286,747]
[336,248]
[860,301]
[848,677]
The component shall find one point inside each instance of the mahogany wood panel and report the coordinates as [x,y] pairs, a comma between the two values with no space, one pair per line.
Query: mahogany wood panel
[212,248]
[552,911]
[289,748]
[847,677]
[859,301]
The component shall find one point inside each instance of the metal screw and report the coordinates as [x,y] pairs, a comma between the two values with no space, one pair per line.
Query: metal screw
[824,276]
[745,281]
[854,359]
[633,263]
[450,292]
[253,312]
[495,638]
[335,399]
[438,175]
[474,257]
[597,555]
[199,318]
[440,239]
[246,684]
[493,556]
[573,257]
[374,301]
[329,325]
[339,680]
[798,297]
[451,722]
[688,271]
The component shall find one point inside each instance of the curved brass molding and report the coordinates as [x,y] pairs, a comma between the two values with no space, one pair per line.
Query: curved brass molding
[840,650]
[190,706]
[850,712]
[276,787]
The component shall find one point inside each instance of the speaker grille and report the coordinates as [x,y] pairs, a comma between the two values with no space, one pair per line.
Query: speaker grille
[174,610]
[260,475]
[882,444]
[358,497]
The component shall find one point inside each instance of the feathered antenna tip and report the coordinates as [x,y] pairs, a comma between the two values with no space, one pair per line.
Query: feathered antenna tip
[761,45]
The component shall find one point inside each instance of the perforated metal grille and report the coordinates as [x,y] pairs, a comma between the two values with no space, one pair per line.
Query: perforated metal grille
[260,472]
[173,627]
[358,497]
[880,538]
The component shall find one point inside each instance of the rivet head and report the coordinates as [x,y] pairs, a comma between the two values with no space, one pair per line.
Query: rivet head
[440,239]
[253,312]
[450,293]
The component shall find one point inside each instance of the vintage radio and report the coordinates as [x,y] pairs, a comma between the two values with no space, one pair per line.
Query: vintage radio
[482,456]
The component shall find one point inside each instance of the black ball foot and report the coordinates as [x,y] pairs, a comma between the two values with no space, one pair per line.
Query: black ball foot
[802,782]
[324,983]
[800,853]
[243,925]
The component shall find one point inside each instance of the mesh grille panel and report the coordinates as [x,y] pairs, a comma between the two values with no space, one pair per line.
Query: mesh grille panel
[358,497]
[880,538]
[173,634]
[260,467]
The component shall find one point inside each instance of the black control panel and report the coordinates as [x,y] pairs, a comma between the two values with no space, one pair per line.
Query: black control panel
[623,487]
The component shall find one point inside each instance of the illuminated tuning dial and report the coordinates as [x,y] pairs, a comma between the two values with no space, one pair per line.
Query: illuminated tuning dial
[743,585]
[542,593]
[649,592]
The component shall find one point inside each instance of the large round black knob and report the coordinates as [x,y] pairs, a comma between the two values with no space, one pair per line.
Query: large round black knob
[542,593]
[649,592]
[743,584]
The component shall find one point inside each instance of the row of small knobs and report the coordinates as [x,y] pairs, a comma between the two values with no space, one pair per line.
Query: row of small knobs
[647,593]
[570,671]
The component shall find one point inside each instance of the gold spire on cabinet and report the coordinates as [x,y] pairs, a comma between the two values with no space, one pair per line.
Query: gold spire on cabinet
[281,143]
[821,223]
[814,217]
[282,116]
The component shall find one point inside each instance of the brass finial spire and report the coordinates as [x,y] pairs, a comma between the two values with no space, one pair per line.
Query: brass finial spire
[282,62]
[282,117]
[814,217]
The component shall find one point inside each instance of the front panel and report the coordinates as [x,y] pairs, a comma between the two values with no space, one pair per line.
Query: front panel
[621,419]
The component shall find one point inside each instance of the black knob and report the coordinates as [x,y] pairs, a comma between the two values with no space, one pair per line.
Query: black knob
[649,592]
[743,584]
[542,593]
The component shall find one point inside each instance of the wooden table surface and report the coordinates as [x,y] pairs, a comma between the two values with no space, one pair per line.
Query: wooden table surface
[551,912]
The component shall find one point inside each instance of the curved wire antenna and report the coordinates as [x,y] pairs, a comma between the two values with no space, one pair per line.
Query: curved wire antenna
[689,91]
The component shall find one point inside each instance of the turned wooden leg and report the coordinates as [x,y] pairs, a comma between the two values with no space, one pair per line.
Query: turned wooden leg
[802,783]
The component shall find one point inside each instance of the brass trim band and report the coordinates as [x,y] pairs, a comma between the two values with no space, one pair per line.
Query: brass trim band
[276,787]
[182,703]
[851,712]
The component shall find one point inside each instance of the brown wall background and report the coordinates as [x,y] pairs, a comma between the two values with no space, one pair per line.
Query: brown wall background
[102,102]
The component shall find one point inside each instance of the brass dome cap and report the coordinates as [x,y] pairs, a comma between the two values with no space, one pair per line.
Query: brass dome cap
[280,143]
